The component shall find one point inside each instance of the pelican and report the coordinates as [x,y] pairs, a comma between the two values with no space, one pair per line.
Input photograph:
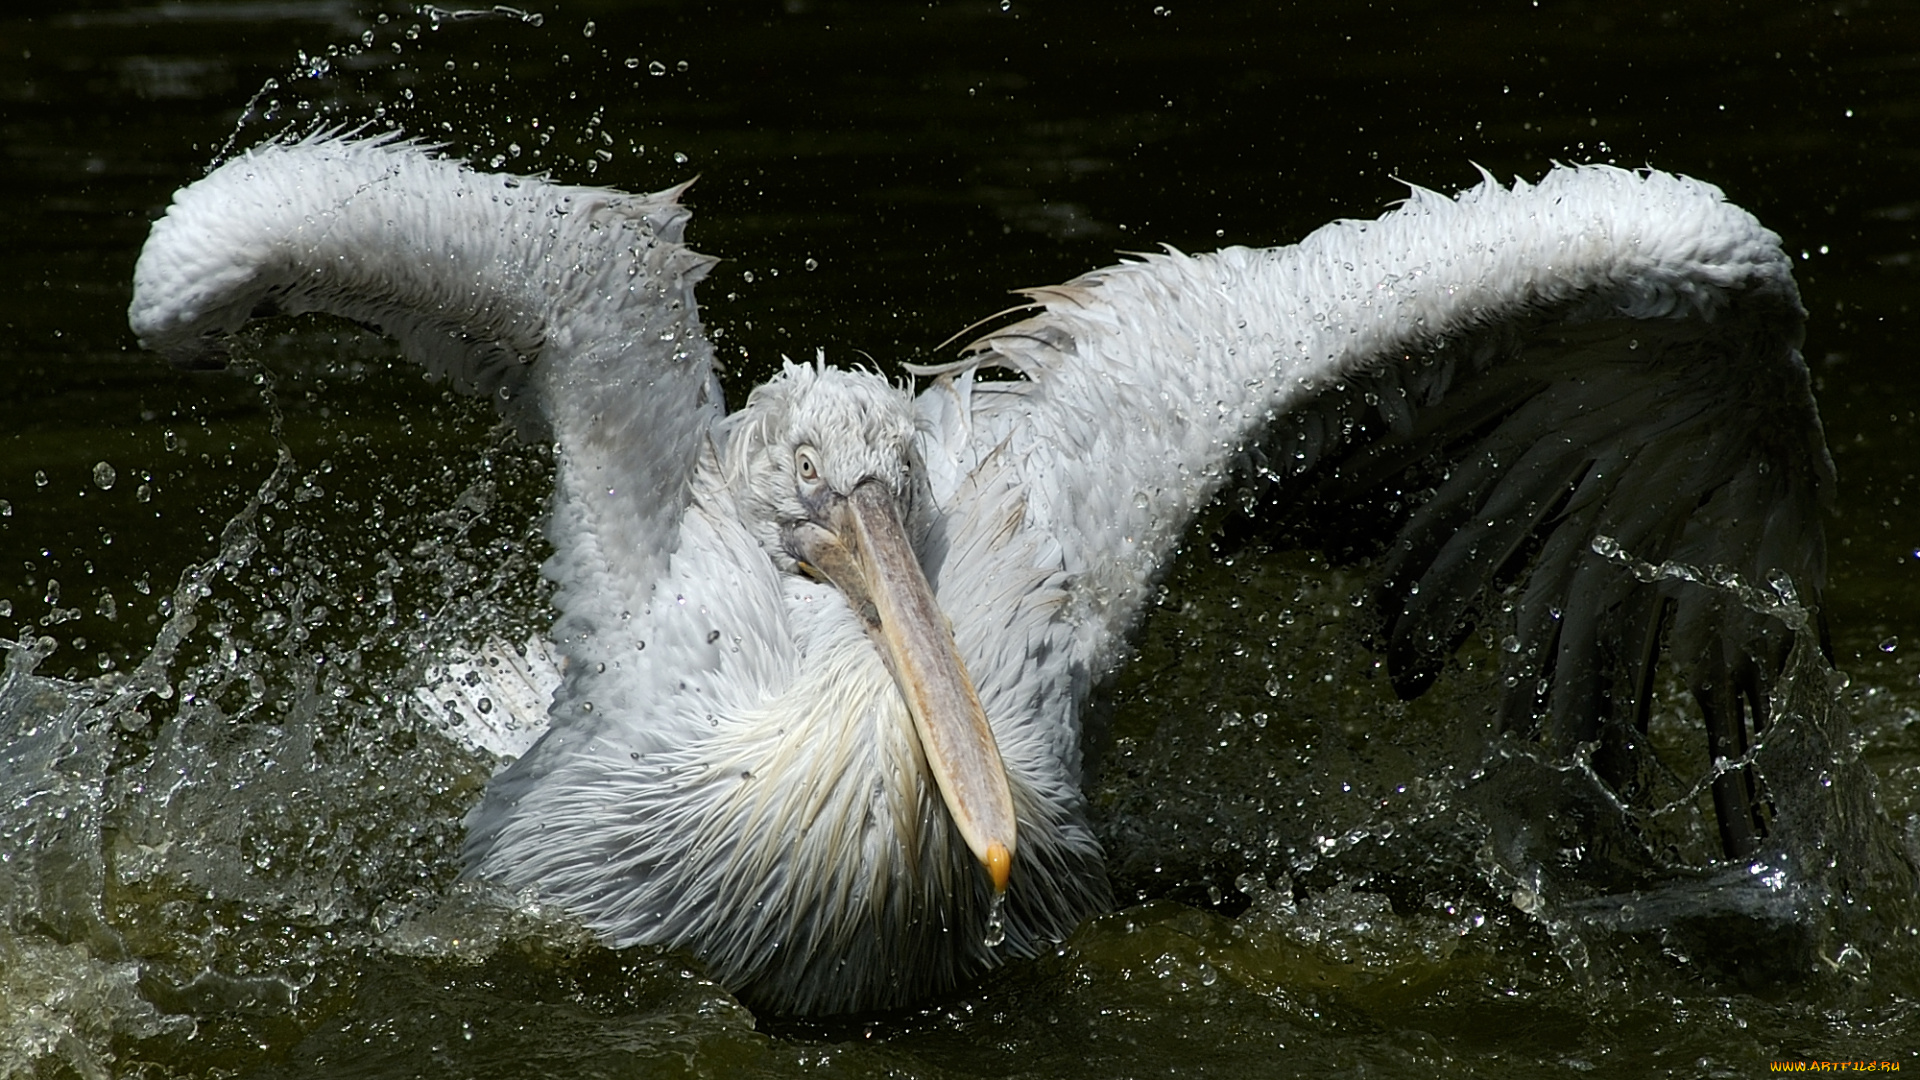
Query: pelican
[823,658]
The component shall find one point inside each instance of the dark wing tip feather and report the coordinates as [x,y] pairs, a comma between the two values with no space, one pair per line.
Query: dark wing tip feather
[1680,440]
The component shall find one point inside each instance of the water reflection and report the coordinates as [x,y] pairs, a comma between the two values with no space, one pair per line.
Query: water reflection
[254,872]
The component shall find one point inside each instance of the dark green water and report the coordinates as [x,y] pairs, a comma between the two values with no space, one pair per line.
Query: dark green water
[254,875]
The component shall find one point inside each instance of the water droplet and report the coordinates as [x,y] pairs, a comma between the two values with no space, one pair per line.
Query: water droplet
[656,69]
[104,476]
[6,608]
[6,508]
[39,478]
[587,30]
[1510,643]
[1890,644]
[996,924]
[813,264]
[681,66]
[679,158]
[633,62]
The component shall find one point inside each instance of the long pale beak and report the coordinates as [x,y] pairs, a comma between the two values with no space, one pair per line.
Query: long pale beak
[863,550]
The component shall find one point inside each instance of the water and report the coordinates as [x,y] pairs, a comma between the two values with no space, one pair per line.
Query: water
[238,860]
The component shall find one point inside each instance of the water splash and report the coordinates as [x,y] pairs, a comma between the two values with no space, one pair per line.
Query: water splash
[1348,791]
[1780,600]
[237,806]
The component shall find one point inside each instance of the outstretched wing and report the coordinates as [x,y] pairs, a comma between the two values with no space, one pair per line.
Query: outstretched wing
[571,307]
[1492,394]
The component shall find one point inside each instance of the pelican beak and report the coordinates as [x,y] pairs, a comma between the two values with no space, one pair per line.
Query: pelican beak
[862,548]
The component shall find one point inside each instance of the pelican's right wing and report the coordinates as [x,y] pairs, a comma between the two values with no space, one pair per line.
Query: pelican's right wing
[1488,392]
[571,307]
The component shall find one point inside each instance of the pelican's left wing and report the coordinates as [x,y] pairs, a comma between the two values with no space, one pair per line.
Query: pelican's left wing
[571,307]
[1494,386]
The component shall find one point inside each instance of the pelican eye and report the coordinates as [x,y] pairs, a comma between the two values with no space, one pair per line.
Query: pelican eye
[805,466]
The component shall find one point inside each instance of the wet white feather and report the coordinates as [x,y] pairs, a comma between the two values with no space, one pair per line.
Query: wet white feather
[1148,380]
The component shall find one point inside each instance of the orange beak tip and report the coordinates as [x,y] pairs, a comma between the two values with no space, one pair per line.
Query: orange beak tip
[999,865]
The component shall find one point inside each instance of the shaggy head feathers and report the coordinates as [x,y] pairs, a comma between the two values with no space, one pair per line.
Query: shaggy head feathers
[858,427]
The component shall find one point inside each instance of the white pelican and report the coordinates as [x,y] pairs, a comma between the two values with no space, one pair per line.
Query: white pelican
[824,657]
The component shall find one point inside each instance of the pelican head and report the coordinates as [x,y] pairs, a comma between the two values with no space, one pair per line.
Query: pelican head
[826,471]
[847,427]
